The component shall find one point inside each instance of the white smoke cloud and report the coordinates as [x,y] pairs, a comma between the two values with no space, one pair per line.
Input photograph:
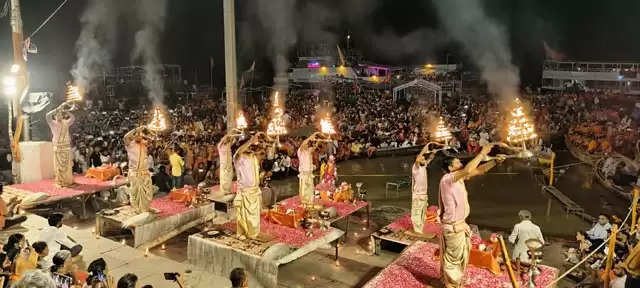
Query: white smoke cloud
[484,40]
[152,14]
[277,17]
[95,44]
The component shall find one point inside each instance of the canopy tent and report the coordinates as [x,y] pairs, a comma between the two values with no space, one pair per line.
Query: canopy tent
[421,83]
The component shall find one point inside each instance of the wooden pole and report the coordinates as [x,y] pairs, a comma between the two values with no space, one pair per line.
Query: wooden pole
[507,261]
[553,158]
[612,245]
[634,208]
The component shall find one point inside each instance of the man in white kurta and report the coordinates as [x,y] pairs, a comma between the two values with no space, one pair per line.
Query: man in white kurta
[522,232]
[59,121]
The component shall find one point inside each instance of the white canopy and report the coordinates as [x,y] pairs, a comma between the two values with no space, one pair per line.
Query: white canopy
[432,87]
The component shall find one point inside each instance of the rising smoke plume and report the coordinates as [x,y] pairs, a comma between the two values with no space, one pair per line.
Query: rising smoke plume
[96,42]
[152,14]
[277,19]
[484,40]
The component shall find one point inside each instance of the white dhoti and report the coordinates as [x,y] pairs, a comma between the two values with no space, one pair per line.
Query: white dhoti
[140,190]
[455,249]
[63,165]
[248,203]
[306,189]
[419,203]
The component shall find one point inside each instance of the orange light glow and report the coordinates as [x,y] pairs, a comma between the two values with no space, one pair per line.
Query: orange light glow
[159,121]
[442,133]
[241,122]
[326,126]
[74,93]
[277,126]
[520,127]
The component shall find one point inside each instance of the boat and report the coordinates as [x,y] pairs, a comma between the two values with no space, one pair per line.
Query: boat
[580,154]
[623,192]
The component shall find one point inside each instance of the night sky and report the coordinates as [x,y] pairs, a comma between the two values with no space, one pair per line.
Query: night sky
[582,30]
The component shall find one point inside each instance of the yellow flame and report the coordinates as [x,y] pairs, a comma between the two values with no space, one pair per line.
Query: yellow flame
[277,125]
[159,121]
[442,133]
[326,126]
[520,127]
[241,122]
[74,93]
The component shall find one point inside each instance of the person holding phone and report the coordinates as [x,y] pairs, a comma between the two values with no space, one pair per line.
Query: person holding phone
[99,275]
[26,260]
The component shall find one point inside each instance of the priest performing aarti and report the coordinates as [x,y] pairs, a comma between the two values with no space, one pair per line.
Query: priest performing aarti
[419,189]
[454,207]
[419,177]
[305,156]
[136,142]
[59,120]
[248,201]
[224,150]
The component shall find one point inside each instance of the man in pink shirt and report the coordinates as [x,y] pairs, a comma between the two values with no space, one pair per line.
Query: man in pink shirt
[454,208]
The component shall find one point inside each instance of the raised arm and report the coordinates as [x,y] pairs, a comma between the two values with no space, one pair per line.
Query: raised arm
[472,167]
[131,135]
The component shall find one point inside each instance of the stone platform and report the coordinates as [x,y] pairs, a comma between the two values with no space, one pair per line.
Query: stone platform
[173,218]
[220,254]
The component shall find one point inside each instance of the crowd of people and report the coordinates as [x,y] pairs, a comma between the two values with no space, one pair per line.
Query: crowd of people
[50,262]
[368,120]
[624,254]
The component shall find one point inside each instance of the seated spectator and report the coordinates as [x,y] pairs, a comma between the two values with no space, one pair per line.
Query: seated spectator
[56,239]
[238,277]
[98,277]
[26,260]
[35,279]
[620,279]
[62,270]
[14,244]
[128,281]
[162,180]
[188,178]
[42,249]
[599,232]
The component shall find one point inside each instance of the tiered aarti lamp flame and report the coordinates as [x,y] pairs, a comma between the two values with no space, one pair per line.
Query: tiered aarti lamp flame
[276,127]
[326,126]
[520,127]
[442,133]
[158,122]
[73,93]
[241,122]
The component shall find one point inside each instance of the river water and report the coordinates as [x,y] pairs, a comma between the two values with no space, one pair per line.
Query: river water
[495,197]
